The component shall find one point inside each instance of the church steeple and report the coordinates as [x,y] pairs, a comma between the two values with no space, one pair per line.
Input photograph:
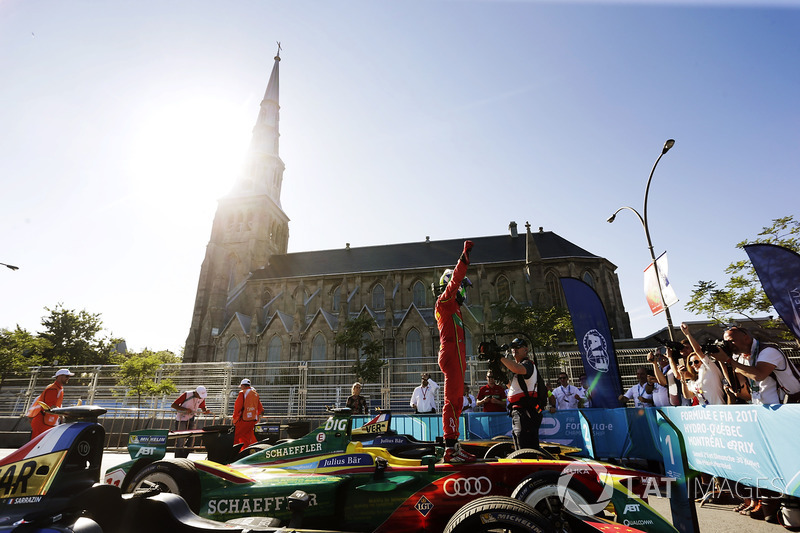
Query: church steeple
[249,228]
[263,169]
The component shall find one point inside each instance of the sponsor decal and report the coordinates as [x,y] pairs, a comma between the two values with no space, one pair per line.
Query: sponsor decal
[381,427]
[467,486]
[505,517]
[28,477]
[380,441]
[336,424]
[155,440]
[320,437]
[355,459]
[253,505]
[287,451]
[631,508]
[424,506]
[146,450]
[84,448]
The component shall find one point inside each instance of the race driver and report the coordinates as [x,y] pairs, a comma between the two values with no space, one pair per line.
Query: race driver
[452,353]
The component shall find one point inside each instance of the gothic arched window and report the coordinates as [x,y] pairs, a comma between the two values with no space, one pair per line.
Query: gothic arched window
[420,295]
[503,289]
[378,297]
[318,348]
[554,290]
[337,297]
[588,279]
[232,351]
[274,350]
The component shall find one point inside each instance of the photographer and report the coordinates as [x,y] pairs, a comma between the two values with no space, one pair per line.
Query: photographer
[767,369]
[526,415]
[707,387]
[492,397]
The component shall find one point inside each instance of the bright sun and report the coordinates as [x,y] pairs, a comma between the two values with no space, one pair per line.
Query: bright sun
[188,151]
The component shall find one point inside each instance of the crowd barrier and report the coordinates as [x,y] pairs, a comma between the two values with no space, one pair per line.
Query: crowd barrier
[750,444]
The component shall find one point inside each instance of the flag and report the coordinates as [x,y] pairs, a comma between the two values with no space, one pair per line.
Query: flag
[651,285]
[778,269]
[594,341]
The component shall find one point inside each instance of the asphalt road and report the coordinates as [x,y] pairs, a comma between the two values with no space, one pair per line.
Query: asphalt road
[712,518]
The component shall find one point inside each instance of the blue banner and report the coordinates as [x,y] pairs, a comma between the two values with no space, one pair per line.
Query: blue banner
[594,341]
[778,269]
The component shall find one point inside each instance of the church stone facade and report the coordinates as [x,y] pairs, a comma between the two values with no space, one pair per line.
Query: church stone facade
[256,302]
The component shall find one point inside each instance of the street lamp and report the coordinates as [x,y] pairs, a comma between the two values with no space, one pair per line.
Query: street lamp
[643,219]
[12,267]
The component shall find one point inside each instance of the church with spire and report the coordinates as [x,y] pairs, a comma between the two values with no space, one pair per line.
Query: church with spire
[256,302]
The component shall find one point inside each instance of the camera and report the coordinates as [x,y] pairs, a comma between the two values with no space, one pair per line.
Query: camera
[675,346]
[492,352]
[711,347]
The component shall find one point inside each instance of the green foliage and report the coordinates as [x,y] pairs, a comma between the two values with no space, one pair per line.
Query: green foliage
[140,375]
[544,327]
[74,339]
[18,351]
[355,335]
[742,295]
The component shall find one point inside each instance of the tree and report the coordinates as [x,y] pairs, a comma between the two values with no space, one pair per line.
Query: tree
[545,327]
[74,339]
[137,374]
[742,295]
[356,334]
[19,350]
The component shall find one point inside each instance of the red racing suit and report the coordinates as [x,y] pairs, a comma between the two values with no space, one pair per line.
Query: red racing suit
[452,347]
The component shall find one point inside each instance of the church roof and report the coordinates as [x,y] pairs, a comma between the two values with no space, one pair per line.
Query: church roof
[433,254]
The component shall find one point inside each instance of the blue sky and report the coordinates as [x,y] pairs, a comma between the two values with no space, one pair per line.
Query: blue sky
[124,122]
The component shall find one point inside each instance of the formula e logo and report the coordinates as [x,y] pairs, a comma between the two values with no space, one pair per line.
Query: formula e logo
[594,344]
[467,486]
[631,508]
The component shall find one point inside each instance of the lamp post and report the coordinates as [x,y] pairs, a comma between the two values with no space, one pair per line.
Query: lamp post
[643,219]
[12,267]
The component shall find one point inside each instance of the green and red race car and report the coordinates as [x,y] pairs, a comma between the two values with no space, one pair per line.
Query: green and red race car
[353,487]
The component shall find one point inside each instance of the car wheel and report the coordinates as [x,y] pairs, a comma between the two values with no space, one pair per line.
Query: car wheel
[178,476]
[497,514]
[501,449]
[542,492]
[531,453]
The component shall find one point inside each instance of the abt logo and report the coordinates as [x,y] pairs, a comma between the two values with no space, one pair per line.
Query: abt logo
[146,450]
[631,508]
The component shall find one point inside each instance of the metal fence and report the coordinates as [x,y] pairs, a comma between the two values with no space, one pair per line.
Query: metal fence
[292,390]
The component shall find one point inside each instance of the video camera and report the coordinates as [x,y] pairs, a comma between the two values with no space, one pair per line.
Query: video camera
[492,352]
[714,346]
[675,346]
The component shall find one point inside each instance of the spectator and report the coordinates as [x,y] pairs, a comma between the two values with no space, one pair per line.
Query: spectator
[585,391]
[469,400]
[658,380]
[423,399]
[492,397]
[638,392]
[356,402]
[246,413]
[52,396]
[708,385]
[187,405]
[565,396]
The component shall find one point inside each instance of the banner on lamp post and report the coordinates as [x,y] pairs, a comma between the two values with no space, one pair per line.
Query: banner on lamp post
[651,284]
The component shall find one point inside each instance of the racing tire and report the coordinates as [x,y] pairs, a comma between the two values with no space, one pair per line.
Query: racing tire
[541,491]
[531,453]
[499,450]
[177,476]
[498,514]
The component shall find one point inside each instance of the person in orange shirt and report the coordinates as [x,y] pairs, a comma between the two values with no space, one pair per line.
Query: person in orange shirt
[246,413]
[52,396]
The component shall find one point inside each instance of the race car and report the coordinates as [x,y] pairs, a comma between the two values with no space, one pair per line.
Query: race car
[353,487]
[51,485]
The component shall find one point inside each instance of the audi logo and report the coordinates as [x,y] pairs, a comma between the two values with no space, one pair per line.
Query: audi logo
[467,486]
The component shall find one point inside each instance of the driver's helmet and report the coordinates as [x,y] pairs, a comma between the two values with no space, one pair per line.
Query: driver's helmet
[461,296]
